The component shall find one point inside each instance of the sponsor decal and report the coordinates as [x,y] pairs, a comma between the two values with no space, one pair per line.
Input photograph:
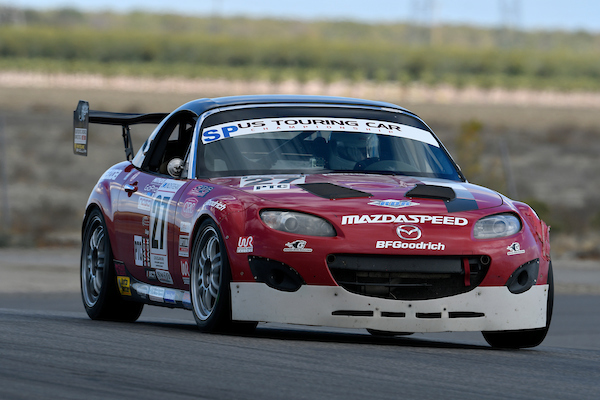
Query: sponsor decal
[409,232]
[188,207]
[134,176]
[216,204]
[111,174]
[156,294]
[141,251]
[164,276]
[187,300]
[151,188]
[397,244]
[142,290]
[144,204]
[170,296]
[185,227]
[171,186]
[280,182]
[159,181]
[185,272]
[159,261]
[414,219]
[151,274]
[245,244]
[80,136]
[298,246]
[184,245]
[124,285]
[514,248]
[247,127]
[200,190]
[146,221]
[279,186]
[390,203]
[120,268]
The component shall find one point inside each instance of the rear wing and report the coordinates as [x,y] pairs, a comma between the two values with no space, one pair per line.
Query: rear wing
[83,116]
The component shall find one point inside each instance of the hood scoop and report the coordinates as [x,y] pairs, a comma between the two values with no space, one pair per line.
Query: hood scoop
[454,203]
[432,192]
[331,191]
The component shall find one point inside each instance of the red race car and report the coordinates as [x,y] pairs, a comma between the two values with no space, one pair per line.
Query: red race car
[308,210]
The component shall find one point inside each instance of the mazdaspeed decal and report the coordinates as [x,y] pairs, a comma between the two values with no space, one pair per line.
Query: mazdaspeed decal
[248,127]
[411,219]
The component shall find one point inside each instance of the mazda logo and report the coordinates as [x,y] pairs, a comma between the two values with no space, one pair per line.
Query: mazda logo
[408,232]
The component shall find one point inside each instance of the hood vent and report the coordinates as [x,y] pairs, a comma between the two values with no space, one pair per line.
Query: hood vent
[432,192]
[331,191]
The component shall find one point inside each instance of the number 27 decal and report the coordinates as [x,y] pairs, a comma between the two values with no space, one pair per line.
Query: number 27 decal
[160,210]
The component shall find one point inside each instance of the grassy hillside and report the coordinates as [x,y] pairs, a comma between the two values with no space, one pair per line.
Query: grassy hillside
[236,48]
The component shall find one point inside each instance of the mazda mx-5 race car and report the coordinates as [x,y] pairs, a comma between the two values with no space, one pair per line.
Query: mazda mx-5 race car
[308,210]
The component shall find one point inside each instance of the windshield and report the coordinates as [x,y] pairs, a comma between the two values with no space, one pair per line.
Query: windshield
[319,140]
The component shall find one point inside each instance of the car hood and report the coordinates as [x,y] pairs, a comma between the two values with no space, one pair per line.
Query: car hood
[349,191]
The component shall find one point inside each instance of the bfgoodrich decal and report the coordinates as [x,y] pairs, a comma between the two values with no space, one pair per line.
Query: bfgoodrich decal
[397,244]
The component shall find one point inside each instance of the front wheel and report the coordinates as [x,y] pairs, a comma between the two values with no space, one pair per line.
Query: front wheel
[209,283]
[99,291]
[526,337]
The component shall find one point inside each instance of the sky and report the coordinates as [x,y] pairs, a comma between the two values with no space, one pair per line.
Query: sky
[570,15]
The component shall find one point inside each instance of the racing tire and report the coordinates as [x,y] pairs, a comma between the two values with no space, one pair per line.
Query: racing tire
[210,277]
[99,290]
[527,337]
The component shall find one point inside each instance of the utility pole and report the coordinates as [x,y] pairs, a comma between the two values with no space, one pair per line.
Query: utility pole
[4,181]
[510,16]
[423,20]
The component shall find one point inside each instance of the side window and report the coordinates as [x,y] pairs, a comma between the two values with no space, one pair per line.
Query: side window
[173,141]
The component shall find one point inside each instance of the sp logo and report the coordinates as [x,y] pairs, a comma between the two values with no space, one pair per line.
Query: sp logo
[408,232]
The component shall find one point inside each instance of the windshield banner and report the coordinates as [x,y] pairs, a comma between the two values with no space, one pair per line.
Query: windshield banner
[251,126]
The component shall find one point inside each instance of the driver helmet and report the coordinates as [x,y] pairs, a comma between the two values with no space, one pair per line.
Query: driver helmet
[347,149]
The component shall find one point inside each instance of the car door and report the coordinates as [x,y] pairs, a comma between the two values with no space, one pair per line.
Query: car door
[145,217]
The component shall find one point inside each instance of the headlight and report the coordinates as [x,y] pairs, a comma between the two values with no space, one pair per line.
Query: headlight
[295,222]
[496,226]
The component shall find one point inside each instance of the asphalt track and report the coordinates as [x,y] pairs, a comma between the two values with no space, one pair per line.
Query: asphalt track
[50,349]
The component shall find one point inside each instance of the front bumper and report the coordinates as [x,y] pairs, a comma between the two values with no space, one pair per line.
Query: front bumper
[482,309]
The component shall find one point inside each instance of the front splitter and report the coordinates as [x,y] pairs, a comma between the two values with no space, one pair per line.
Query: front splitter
[482,309]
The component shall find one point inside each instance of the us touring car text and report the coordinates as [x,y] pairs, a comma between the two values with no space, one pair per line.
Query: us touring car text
[415,219]
[231,129]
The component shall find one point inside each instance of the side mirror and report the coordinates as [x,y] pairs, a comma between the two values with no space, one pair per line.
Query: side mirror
[175,167]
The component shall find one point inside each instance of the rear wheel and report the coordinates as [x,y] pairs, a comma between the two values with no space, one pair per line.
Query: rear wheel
[527,337]
[99,291]
[209,283]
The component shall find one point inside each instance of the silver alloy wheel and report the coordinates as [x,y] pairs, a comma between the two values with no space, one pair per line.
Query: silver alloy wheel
[207,269]
[93,262]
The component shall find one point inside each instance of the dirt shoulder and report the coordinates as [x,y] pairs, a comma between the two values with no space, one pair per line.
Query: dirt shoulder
[56,270]
[389,91]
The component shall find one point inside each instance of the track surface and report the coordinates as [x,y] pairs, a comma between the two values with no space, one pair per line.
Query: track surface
[50,349]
